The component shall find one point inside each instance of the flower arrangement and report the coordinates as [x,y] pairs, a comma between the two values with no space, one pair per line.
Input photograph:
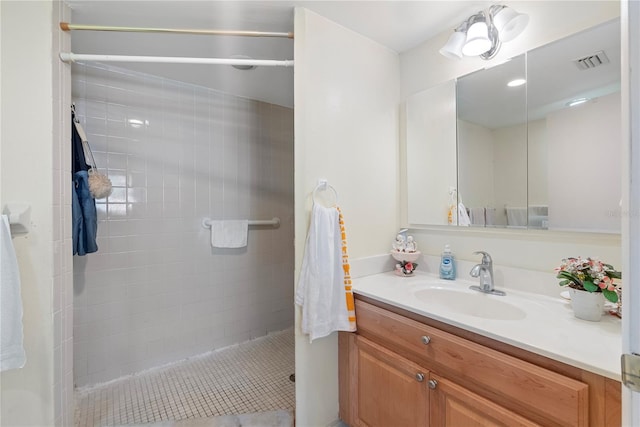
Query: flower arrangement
[590,274]
[406,267]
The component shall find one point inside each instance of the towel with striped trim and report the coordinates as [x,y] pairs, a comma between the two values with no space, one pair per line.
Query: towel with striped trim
[324,287]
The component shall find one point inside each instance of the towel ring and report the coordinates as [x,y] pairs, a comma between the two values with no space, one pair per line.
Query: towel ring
[323,185]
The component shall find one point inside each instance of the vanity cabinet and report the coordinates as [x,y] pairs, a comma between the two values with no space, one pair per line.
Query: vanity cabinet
[454,406]
[404,369]
[391,390]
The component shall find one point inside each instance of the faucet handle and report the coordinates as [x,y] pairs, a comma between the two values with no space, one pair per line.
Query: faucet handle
[486,258]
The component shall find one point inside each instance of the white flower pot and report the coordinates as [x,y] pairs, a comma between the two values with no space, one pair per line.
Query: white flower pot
[587,305]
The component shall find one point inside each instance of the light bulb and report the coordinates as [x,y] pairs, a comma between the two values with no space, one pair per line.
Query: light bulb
[477,39]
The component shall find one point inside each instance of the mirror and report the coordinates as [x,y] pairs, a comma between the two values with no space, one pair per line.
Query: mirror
[525,158]
[583,142]
[492,144]
[431,155]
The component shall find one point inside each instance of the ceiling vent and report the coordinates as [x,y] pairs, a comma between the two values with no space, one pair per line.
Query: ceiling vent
[591,61]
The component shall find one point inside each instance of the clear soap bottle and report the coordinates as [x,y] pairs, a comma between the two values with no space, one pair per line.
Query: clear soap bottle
[447,264]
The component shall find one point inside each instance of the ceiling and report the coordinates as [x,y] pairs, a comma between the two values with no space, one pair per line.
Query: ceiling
[399,25]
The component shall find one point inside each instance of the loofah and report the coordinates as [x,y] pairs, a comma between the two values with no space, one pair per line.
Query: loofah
[99,184]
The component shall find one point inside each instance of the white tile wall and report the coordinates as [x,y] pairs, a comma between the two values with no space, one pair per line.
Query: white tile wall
[156,291]
[62,283]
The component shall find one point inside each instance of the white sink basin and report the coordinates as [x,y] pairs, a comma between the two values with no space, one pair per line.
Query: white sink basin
[471,303]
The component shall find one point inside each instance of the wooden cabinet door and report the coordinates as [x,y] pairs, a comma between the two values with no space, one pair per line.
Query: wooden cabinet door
[455,406]
[388,390]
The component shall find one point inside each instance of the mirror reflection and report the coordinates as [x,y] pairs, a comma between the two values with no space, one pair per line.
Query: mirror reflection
[431,156]
[574,115]
[492,145]
[541,155]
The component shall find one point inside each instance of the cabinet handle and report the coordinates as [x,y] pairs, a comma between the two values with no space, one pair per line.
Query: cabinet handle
[433,384]
[426,339]
[420,377]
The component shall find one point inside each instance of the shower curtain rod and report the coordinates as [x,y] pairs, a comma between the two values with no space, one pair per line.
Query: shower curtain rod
[73,57]
[65,26]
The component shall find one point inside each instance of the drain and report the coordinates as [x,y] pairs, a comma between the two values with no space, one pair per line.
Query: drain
[292,378]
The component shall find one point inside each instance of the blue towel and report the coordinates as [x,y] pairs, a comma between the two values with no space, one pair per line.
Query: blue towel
[83,206]
[84,215]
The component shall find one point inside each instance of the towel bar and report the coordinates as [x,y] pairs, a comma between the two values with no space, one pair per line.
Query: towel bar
[19,217]
[206,223]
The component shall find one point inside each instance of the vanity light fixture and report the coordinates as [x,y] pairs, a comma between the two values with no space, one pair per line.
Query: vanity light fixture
[482,34]
[453,48]
[478,39]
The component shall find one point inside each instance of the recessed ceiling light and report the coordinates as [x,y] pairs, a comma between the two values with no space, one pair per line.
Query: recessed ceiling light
[243,67]
[577,101]
[516,82]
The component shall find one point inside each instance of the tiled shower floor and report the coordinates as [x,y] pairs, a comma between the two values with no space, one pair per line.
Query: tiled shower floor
[247,378]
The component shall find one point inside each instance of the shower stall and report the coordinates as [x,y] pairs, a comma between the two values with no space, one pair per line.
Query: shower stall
[156,291]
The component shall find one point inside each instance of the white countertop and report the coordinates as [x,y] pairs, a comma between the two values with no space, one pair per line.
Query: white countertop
[545,326]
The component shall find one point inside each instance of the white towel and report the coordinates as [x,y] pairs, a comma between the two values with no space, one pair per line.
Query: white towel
[12,355]
[477,216]
[463,216]
[490,216]
[229,234]
[324,287]
[516,216]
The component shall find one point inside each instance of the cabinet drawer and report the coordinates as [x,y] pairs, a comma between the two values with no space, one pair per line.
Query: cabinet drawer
[529,389]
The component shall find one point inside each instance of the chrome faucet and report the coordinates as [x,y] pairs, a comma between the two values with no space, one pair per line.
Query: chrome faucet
[484,271]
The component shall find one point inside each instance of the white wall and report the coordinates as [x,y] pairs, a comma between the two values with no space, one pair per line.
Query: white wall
[156,291]
[510,163]
[493,167]
[538,170]
[476,160]
[35,166]
[581,197]
[631,195]
[423,67]
[346,130]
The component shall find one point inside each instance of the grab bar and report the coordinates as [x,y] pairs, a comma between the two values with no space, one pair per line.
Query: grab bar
[206,223]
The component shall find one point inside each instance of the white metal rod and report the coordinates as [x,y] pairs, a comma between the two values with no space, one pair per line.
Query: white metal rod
[65,26]
[73,57]
[206,223]
[274,222]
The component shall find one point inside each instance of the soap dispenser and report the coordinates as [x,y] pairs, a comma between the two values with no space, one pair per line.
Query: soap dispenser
[447,264]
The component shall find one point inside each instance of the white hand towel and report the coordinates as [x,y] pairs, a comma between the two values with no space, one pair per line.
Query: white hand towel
[229,234]
[463,216]
[477,216]
[12,355]
[516,216]
[490,216]
[324,287]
